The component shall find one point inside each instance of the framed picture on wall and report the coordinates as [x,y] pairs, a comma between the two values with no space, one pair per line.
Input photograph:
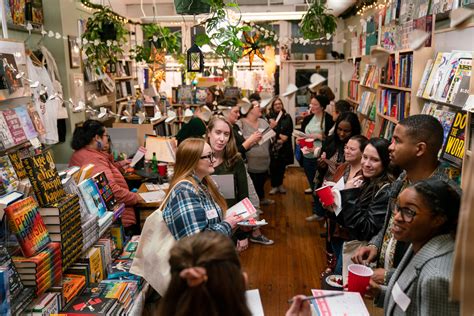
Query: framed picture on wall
[74,52]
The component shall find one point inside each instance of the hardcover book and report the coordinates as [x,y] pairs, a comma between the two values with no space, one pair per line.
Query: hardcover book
[15,159]
[453,149]
[28,127]
[44,178]
[14,280]
[26,222]
[105,190]
[92,198]
[14,125]
[6,138]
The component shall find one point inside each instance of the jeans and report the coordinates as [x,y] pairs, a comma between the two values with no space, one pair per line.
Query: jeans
[310,166]
[336,244]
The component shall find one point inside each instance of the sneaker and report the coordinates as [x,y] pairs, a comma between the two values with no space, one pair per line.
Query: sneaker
[308,191]
[266,202]
[314,217]
[273,191]
[281,189]
[261,239]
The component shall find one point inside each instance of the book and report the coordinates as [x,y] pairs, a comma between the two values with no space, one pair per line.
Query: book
[85,304]
[94,259]
[45,304]
[14,125]
[25,120]
[5,308]
[6,138]
[26,222]
[44,178]
[349,303]
[453,149]
[244,208]
[22,301]
[7,64]
[15,285]
[105,190]
[424,78]
[72,285]
[117,234]
[36,119]
[15,159]
[9,179]
[49,253]
[449,70]
[80,269]
[436,75]
[92,198]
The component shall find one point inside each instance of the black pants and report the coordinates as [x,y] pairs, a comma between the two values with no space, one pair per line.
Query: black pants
[277,172]
[258,180]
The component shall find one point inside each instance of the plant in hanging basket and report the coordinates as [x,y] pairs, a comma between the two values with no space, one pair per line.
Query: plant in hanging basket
[224,32]
[103,39]
[159,37]
[317,22]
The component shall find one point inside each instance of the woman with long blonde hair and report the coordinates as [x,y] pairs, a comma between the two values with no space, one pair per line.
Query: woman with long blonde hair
[195,204]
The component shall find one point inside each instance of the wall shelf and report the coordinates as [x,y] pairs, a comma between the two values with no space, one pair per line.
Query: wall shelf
[388,118]
[394,87]
[352,101]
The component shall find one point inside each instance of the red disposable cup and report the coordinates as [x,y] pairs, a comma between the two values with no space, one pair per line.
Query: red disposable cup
[309,142]
[325,195]
[162,169]
[302,143]
[358,278]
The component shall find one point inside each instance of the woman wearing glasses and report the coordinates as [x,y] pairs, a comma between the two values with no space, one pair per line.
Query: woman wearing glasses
[88,141]
[195,204]
[426,216]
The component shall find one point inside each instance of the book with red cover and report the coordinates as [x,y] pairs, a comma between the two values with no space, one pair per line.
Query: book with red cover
[14,125]
[26,222]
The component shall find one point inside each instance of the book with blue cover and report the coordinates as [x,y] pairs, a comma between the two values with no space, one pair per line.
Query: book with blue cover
[92,198]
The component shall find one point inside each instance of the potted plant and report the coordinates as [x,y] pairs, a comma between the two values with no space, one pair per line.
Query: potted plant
[103,39]
[317,22]
[191,6]
[159,38]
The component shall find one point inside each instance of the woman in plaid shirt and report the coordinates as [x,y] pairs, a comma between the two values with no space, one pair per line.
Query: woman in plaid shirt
[195,204]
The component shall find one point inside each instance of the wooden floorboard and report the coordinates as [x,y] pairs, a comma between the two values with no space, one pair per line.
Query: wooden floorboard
[293,264]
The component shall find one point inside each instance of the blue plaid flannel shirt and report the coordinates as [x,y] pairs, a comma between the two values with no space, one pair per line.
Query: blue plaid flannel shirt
[185,211]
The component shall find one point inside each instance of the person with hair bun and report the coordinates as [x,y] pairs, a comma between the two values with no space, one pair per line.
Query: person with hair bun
[88,141]
[207,280]
[426,216]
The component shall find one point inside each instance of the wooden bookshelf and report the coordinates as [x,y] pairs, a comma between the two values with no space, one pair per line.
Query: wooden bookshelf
[388,118]
[368,87]
[381,85]
[352,101]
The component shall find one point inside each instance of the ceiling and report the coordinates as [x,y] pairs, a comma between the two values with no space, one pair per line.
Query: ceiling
[337,6]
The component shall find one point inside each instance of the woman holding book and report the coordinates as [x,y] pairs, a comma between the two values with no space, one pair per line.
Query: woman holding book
[194,203]
[228,161]
[88,142]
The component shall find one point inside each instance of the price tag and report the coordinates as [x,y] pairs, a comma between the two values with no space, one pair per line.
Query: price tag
[35,142]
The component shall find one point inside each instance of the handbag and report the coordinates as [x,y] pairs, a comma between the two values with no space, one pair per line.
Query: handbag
[153,252]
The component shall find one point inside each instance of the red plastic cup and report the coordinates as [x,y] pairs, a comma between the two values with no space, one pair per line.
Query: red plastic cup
[162,168]
[358,278]
[309,142]
[302,142]
[325,195]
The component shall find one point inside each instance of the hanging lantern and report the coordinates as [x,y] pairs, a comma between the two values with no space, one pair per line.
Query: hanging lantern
[195,59]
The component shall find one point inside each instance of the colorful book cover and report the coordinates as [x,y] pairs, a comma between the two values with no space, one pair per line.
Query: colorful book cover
[72,285]
[17,8]
[434,80]
[36,119]
[46,304]
[105,190]
[14,280]
[4,292]
[8,175]
[92,198]
[7,62]
[94,259]
[84,304]
[459,90]
[6,138]
[14,124]
[44,178]
[44,257]
[28,127]
[449,71]
[453,150]
[26,222]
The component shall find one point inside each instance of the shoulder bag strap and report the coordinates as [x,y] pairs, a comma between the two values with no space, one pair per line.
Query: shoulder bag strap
[165,200]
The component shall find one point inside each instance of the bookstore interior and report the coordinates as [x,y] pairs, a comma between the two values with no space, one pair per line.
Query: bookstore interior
[101,101]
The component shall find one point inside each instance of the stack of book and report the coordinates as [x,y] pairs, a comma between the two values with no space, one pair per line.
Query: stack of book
[63,221]
[42,270]
[46,304]
[90,231]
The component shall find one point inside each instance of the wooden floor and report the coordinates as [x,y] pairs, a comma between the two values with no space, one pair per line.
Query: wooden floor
[293,264]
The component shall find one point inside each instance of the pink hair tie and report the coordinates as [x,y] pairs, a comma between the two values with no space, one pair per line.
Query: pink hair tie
[194,275]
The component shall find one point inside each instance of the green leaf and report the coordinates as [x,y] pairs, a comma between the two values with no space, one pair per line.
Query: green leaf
[202,39]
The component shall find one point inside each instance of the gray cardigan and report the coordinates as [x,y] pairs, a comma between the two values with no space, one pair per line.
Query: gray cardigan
[424,277]
[258,157]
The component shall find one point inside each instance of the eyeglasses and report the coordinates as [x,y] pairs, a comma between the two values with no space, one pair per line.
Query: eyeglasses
[209,157]
[407,214]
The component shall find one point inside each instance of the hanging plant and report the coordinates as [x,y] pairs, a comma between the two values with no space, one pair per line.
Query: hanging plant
[224,32]
[158,37]
[316,23]
[192,7]
[103,39]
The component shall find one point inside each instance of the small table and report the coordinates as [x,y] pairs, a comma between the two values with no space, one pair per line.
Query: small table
[145,209]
